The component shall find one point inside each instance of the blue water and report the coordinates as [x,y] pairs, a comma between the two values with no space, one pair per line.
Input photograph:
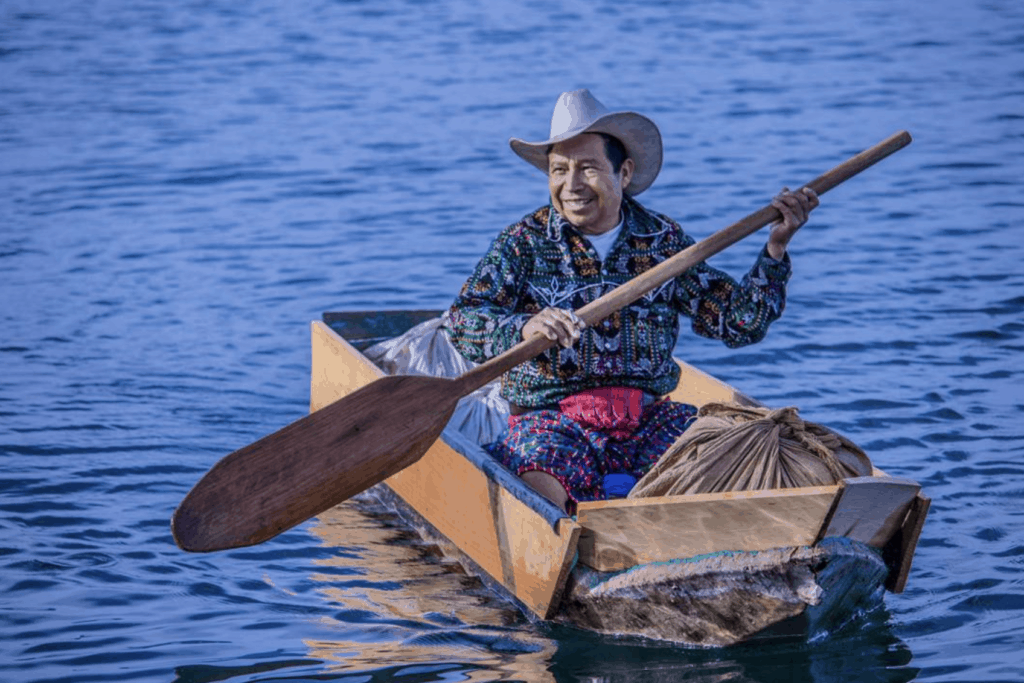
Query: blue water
[183,186]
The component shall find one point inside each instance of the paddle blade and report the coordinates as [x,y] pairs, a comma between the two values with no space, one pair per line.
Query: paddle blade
[314,463]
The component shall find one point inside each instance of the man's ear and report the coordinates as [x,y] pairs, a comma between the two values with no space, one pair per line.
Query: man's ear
[626,172]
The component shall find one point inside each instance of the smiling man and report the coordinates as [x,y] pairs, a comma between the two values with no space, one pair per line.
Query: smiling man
[588,416]
[586,177]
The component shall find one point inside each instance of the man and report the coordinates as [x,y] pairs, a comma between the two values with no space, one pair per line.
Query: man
[588,419]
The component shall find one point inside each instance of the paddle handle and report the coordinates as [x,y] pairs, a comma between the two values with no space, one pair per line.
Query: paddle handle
[627,293]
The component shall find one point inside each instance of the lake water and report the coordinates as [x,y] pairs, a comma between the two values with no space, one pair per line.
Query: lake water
[183,186]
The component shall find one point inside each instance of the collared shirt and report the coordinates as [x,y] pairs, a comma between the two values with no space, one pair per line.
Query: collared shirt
[544,261]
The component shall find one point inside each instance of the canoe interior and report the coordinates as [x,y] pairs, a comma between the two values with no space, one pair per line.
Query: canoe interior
[363,329]
[880,511]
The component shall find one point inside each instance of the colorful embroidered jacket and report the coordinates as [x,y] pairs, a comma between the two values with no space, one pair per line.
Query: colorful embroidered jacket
[543,261]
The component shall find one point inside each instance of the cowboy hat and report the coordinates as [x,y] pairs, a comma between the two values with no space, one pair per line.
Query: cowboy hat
[579,112]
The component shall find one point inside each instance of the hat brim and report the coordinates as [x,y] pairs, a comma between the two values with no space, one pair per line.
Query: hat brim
[639,135]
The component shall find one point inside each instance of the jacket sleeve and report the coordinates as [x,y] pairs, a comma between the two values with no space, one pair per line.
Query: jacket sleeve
[737,313]
[483,322]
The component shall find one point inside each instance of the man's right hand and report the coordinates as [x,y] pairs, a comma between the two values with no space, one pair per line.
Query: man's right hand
[557,324]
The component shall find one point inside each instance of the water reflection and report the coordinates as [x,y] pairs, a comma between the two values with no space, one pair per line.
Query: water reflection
[870,653]
[401,599]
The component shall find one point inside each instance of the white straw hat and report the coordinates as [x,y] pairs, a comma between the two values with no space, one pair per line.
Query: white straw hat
[579,112]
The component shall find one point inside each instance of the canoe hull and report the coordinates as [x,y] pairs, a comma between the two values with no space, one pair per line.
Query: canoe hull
[727,598]
[624,567]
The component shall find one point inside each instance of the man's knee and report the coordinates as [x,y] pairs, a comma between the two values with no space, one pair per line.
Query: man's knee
[547,486]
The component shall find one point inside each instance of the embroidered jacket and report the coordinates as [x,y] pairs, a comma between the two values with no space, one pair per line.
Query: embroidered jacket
[544,261]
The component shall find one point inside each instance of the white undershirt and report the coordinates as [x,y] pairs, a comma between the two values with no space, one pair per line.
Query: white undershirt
[603,242]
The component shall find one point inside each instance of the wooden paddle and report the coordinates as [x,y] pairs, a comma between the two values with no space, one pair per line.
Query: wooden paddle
[328,456]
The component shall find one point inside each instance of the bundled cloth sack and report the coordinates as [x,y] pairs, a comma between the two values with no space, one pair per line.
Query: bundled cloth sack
[731,447]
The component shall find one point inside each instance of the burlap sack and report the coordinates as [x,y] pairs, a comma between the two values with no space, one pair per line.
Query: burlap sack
[731,447]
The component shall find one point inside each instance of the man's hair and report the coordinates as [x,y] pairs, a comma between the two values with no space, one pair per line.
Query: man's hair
[613,149]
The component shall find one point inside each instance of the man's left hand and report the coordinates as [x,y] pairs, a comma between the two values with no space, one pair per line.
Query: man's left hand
[795,208]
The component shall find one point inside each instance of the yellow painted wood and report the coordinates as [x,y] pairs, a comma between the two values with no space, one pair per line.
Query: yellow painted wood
[697,388]
[502,535]
[508,540]
[337,368]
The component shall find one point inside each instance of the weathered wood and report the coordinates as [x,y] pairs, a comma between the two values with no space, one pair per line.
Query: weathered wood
[618,534]
[871,509]
[513,544]
[291,475]
[621,533]
[727,598]
[899,551]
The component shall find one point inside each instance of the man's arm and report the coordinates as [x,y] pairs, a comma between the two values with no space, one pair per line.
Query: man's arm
[739,313]
[483,322]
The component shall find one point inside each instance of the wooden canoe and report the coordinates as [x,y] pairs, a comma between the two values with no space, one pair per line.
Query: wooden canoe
[706,569]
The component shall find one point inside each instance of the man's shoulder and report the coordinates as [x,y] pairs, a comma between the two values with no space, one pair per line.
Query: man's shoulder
[666,220]
[653,222]
[529,227]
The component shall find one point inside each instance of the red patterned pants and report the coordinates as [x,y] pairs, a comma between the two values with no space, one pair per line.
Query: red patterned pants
[579,453]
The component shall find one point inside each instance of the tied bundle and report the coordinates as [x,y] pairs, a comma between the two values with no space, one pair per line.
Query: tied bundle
[731,447]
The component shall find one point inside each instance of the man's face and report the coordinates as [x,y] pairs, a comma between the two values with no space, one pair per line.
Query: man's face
[584,188]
